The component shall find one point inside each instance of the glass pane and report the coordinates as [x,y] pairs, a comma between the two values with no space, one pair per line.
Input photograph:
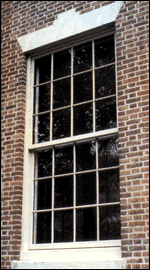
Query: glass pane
[86,224]
[41,127]
[86,188]
[64,160]
[108,153]
[83,119]
[105,81]
[85,156]
[109,186]
[61,93]
[62,64]
[64,191]
[42,224]
[61,124]
[82,57]
[42,98]
[83,87]
[63,226]
[42,69]
[104,51]
[106,114]
[44,163]
[110,222]
[44,194]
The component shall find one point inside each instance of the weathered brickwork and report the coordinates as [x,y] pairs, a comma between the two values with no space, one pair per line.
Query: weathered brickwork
[132,47]
[133,120]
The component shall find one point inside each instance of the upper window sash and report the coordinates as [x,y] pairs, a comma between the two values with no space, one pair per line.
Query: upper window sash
[72,78]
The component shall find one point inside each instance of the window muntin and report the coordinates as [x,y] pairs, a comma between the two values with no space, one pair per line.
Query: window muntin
[75,183]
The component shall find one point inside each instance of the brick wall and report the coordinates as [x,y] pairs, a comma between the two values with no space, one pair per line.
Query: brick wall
[22,17]
[133,99]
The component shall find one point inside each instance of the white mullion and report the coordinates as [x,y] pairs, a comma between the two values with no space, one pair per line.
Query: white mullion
[51,99]
[74,193]
[72,90]
[53,171]
[93,84]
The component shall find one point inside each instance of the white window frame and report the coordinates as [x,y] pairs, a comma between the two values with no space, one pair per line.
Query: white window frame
[56,251]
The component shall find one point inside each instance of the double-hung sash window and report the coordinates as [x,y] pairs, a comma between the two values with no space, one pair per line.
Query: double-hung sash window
[76,170]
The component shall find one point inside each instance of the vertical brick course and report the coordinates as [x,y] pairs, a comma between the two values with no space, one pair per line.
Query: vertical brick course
[132,48]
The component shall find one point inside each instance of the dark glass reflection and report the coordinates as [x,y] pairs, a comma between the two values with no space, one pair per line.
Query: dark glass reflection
[43,227]
[42,69]
[64,160]
[82,57]
[64,191]
[83,87]
[108,153]
[86,224]
[104,51]
[85,188]
[44,164]
[109,186]
[44,194]
[62,64]
[83,119]
[106,114]
[105,81]
[61,124]
[63,226]
[41,126]
[61,93]
[42,98]
[110,222]
[85,156]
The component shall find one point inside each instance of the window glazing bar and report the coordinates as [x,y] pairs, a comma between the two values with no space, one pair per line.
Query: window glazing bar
[51,98]
[77,207]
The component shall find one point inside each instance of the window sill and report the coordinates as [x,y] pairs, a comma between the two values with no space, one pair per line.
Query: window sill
[82,255]
[90,264]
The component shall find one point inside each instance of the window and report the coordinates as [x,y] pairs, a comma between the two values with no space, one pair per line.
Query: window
[76,162]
